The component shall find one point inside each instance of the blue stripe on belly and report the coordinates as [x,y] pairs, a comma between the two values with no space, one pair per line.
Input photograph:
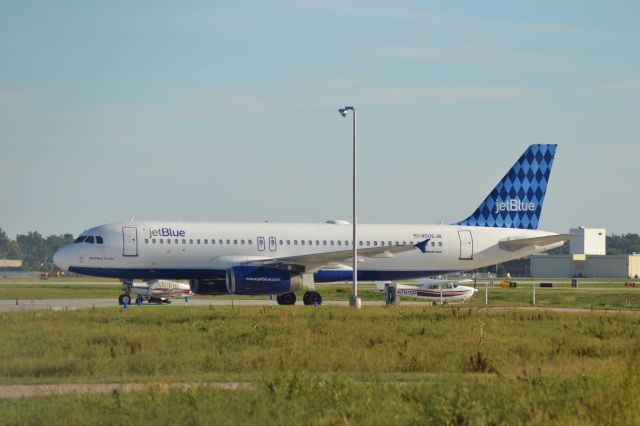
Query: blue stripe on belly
[323,276]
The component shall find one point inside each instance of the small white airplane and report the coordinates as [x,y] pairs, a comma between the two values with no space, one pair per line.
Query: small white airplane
[265,258]
[440,292]
[158,291]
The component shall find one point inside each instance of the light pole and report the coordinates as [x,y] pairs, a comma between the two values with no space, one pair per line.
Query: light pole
[355,300]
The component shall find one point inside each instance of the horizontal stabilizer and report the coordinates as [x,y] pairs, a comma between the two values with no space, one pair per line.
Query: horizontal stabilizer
[513,245]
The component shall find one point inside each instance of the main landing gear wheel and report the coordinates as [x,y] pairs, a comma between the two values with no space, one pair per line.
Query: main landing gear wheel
[312,298]
[286,299]
[139,300]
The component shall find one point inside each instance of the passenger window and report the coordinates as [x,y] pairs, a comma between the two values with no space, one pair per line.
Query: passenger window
[404,243]
[235,242]
[360,243]
[331,242]
[368,243]
[206,241]
[190,241]
[168,240]
[228,241]
[324,242]
[310,242]
[433,244]
[251,242]
[317,242]
[80,239]
[198,241]
[302,242]
[89,240]
[146,241]
[280,242]
[184,241]
[153,241]
[295,242]
[439,243]
[288,242]
[161,241]
[242,242]
[99,240]
[375,244]
[176,241]
[346,243]
[397,243]
[339,242]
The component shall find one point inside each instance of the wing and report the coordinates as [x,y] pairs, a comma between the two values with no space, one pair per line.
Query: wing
[309,263]
[513,245]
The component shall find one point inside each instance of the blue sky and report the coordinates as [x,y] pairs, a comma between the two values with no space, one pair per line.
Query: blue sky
[227,110]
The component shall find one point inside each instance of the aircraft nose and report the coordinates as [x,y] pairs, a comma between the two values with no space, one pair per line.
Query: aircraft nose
[61,258]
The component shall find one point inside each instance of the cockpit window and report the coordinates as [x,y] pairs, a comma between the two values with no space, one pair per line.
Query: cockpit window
[98,240]
[80,239]
[89,240]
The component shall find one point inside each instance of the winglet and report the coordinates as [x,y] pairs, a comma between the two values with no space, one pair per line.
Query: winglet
[422,245]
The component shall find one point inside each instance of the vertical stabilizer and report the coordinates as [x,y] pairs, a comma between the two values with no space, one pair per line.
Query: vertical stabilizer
[516,202]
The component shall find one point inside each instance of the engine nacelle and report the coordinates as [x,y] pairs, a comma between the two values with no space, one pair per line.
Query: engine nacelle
[210,287]
[255,280]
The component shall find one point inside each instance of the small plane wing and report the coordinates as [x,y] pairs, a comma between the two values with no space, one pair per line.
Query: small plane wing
[310,263]
[513,245]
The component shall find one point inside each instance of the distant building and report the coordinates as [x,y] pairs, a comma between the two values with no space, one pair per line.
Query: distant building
[590,241]
[8,264]
[588,266]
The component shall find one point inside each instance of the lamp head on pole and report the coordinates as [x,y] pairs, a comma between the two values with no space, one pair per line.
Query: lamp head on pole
[343,111]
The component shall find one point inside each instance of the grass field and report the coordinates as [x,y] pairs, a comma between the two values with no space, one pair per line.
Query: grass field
[326,366]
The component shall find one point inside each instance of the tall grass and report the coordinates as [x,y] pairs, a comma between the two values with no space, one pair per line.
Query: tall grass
[213,342]
[330,365]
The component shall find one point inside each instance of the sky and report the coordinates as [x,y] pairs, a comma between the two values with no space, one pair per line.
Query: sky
[227,110]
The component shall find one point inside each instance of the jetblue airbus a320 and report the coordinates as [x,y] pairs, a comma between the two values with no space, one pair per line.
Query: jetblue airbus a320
[280,258]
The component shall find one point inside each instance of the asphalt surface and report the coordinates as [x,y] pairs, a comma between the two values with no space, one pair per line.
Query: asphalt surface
[8,305]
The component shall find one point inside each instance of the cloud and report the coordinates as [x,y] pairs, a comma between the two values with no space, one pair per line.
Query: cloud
[14,99]
[406,95]
[615,87]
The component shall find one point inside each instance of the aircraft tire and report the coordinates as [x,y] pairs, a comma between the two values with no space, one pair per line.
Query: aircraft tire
[305,298]
[124,297]
[139,299]
[279,299]
[313,298]
[167,302]
[287,299]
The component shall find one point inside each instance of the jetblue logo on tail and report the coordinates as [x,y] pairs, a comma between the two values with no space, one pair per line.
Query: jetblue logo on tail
[514,206]
[516,202]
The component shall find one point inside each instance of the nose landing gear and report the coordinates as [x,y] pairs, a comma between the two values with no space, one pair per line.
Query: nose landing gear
[125,298]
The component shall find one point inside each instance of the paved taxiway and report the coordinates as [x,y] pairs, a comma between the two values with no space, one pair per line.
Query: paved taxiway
[61,304]
[7,305]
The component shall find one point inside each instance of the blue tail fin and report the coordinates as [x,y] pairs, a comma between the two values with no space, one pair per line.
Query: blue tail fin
[516,202]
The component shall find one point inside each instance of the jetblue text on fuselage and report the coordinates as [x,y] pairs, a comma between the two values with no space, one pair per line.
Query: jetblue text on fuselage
[514,206]
[166,232]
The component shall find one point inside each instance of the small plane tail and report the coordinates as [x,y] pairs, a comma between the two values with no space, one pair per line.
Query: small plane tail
[516,202]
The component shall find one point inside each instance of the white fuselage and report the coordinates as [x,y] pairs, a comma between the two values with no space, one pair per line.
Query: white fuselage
[191,250]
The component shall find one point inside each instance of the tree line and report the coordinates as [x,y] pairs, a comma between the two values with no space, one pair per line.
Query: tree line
[35,251]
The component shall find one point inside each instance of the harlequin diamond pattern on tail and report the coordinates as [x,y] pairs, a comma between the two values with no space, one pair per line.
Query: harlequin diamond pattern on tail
[516,202]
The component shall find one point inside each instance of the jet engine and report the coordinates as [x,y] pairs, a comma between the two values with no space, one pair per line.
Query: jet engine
[210,287]
[254,280]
